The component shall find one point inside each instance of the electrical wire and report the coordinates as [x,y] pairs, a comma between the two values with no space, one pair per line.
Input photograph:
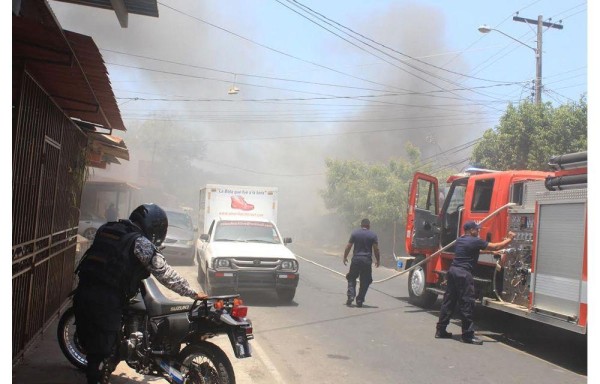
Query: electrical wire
[270,48]
[385,53]
[320,135]
[322,17]
[234,73]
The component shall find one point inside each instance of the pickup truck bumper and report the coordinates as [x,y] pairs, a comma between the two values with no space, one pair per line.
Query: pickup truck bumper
[248,279]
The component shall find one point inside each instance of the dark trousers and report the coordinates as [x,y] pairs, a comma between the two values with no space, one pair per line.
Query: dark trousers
[362,269]
[459,291]
[98,314]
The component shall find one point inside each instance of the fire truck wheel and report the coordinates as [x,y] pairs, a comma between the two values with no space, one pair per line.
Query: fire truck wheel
[418,295]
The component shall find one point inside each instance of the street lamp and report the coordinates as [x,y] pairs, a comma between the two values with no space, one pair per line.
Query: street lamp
[538,59]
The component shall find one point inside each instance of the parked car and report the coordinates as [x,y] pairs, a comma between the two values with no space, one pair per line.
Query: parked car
[89,224]
[180,243]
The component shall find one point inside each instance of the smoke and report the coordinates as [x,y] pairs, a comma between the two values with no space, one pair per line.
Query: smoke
[251,138]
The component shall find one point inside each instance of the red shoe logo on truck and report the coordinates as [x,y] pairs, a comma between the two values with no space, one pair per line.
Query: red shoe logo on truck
[238,202]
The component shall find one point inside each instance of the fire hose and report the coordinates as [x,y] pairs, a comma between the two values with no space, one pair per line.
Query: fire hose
[425,260]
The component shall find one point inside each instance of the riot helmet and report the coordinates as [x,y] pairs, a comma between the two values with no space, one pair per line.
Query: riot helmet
[153,222]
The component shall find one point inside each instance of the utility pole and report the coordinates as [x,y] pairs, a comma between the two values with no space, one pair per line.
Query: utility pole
[538,52]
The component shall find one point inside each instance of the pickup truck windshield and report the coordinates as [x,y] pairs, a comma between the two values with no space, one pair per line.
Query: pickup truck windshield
[246,232]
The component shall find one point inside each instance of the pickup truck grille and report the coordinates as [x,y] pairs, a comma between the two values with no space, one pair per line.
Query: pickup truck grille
[255,263]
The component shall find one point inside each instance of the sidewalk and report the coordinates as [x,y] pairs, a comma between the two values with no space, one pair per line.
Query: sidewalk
[44,363]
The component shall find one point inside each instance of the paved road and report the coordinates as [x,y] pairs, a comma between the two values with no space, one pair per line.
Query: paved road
[317,339]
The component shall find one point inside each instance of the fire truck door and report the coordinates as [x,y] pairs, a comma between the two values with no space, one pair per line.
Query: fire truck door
[422,227]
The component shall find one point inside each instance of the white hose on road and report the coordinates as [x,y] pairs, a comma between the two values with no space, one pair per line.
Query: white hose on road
[376,281]
[425,260]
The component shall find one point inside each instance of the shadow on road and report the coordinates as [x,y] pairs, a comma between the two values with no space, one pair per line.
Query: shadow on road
[563,348]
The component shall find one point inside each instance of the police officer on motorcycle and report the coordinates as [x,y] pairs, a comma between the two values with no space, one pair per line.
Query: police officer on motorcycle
[123,253]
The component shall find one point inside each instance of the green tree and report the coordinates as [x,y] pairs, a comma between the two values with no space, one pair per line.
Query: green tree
[355,190]
[529,134]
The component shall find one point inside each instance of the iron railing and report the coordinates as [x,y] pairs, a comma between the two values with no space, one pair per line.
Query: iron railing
[48,174]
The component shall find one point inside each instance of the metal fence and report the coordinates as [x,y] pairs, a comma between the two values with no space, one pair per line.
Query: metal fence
[48,173]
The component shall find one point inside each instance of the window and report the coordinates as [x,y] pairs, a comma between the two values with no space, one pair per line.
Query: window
[426,199]
[457,198]
[453,204]
[246,231]
[482,196]
[516,194]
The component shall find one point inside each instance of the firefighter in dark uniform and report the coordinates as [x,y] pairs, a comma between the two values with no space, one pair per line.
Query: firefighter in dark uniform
[123,253]
[460,289]
[365,244]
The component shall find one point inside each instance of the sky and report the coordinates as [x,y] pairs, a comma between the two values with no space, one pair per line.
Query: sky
[350,80]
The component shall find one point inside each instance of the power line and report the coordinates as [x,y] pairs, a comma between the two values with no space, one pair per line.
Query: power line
[269,48]
[385,53]
[385,46]
[568,10]
[237,73]
[261,173]
[339,133]
[393,94]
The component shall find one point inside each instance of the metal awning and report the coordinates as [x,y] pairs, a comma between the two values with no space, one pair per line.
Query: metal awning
[70,68]
[105,149]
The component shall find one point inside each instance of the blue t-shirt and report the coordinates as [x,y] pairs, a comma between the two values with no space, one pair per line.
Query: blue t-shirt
[363,240]
[466,252]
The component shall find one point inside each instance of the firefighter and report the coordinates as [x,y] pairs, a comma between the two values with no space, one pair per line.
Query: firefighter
[365,244]
[460,288]
[123,253]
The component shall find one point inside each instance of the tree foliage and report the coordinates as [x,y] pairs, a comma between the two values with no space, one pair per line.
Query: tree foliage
[529,134]
[378,191]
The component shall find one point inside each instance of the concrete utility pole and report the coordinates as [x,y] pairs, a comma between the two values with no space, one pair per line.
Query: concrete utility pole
[538,52]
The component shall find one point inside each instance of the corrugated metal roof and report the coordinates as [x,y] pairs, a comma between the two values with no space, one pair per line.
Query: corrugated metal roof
[70,68]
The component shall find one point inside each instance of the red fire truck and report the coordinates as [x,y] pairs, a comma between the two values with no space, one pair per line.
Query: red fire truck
[542,275]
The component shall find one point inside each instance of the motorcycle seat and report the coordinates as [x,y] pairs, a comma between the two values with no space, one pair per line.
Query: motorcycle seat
[158,304]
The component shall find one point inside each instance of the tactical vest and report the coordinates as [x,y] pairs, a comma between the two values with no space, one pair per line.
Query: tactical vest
[110,260]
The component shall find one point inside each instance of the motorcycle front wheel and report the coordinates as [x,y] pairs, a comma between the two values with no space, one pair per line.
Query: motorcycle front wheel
[68,341]
[205,363]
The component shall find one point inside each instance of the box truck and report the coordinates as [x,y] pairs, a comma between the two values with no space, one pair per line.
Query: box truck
[241,247]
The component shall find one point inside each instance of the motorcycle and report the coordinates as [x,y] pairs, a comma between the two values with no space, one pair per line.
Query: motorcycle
[166,338]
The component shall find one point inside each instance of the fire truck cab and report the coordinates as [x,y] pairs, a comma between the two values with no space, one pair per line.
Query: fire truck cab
[543,272]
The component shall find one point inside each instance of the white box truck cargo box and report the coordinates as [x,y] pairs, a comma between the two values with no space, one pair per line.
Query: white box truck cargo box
[236,202]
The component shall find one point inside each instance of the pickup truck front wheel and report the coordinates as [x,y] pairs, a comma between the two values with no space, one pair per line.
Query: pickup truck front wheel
[286,295]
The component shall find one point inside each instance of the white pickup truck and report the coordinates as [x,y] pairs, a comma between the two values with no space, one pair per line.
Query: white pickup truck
[244,252]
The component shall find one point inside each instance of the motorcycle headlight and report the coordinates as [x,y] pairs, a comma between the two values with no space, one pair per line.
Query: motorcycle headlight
[222,263]
[288,264]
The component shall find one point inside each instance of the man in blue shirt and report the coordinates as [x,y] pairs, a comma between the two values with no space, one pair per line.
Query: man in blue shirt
[460,288]
[365,244]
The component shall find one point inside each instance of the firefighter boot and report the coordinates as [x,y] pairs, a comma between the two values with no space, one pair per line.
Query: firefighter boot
[472,340]
[442,334]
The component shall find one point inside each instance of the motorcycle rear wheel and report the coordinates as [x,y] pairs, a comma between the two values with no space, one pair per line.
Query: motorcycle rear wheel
[68,341]
[206,363]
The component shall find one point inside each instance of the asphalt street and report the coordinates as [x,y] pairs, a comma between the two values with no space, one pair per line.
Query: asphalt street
[317,339]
